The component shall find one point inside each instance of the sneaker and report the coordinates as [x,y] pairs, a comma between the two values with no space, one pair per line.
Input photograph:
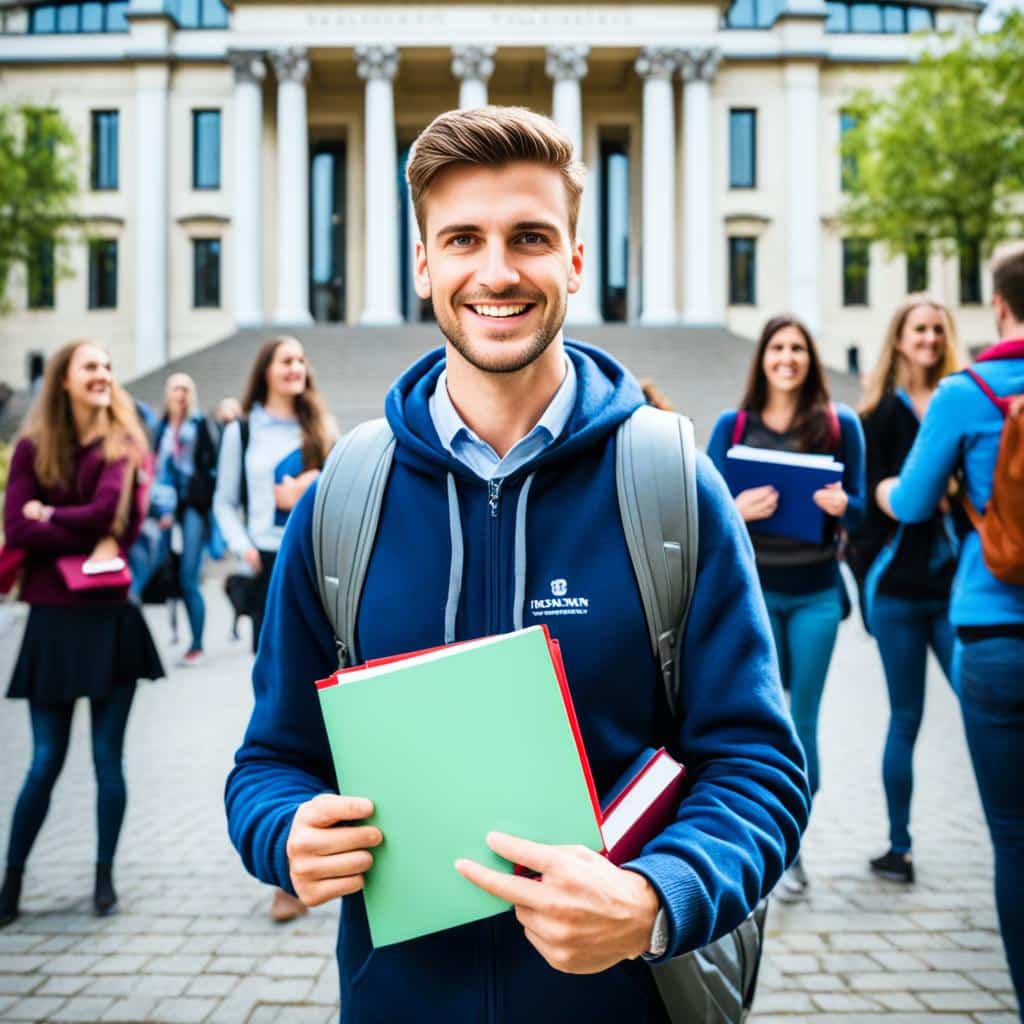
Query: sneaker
[896,867]
[285,907]
[191,658]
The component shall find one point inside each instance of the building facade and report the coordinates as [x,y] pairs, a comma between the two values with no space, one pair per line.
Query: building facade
[244,167]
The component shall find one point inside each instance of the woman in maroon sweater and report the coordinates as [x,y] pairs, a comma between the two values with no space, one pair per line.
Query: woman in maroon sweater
[70,491]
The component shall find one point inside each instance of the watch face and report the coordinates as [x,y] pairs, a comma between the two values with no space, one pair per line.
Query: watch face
[659,934]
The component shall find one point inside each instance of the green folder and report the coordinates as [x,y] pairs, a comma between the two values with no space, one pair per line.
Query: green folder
[449,746]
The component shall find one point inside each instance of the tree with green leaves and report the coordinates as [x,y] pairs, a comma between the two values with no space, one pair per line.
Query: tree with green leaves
[38,188]
[939,163]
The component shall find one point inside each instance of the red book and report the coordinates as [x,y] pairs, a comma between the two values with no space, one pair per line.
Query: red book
[642,804]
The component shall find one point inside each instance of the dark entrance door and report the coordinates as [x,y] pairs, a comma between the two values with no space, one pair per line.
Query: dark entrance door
[614,178]
[327,230]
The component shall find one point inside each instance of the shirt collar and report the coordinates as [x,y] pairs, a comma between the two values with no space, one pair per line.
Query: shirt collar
[449,424]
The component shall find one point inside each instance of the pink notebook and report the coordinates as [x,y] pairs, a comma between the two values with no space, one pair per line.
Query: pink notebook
[80,574]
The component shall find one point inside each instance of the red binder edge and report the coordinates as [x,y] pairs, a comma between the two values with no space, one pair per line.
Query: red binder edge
[636,779]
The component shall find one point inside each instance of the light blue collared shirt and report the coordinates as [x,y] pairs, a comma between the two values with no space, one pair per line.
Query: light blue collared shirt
[477,454]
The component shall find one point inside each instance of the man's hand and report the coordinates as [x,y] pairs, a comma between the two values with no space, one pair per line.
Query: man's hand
[326,861]
[832,499]
[757,503]
[583,915]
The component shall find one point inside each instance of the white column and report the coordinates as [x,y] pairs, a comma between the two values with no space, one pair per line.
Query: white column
[151,200]
[656,66]
[803,206]
[472,66]
[567,67]
[247,229]
[291,67]
[377,66]
[699,267]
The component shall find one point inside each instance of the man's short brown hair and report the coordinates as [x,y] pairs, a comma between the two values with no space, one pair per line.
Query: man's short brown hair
[492,137]
[1008,280]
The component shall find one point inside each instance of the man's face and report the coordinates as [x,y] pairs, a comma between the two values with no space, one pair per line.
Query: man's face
[498,262]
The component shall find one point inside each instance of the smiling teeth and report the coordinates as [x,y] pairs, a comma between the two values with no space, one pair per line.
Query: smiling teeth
[499,310]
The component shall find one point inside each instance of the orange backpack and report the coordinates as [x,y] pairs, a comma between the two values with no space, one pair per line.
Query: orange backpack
[1001,526]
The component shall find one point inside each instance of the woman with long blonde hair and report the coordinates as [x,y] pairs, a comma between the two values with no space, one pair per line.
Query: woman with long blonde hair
[71,491]
[905,571]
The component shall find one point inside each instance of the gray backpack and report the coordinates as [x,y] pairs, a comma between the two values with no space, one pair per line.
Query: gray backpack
[656,480]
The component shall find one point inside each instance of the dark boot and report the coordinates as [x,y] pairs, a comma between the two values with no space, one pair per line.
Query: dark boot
[10,896]
[104,899]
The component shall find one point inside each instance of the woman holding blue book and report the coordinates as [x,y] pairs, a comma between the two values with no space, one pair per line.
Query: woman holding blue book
[905,570]
[787,408]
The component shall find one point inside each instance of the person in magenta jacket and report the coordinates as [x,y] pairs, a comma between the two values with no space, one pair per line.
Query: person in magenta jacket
[71,490]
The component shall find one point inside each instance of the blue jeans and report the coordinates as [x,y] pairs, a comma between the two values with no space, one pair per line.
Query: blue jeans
[193,530]
[905,629]
[990,674]
[804,627]
[51,731]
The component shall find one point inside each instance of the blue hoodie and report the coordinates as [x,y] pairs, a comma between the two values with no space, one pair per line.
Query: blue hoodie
[735,832]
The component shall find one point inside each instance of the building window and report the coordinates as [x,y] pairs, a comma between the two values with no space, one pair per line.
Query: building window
[206,149]
[847,164]
[103,273]
[856,262]
[199,13]
[78,18]
[40,275]
[104,149]
[742,271]
[917,268]
[889,19]
[742,149]
[206,273]
[970,274]
[752,13]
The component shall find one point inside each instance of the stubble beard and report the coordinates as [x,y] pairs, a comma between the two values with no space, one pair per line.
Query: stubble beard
[546,333]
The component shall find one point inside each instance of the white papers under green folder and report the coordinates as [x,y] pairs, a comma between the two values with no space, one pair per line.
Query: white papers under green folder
[450,745]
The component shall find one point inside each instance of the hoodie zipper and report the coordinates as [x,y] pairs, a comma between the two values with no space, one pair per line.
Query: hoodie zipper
[494,553]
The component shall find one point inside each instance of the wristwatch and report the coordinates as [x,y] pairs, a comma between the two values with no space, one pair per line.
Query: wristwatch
[659,936]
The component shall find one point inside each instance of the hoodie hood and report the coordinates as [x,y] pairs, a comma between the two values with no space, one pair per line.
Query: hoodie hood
[606,394]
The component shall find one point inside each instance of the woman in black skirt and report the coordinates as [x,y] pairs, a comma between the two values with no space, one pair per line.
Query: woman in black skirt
[71,491]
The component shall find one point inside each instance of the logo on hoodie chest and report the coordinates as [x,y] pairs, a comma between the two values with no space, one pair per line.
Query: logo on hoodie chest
[561,602]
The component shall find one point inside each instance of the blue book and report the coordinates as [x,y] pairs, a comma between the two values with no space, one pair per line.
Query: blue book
[290,465]
[796,476]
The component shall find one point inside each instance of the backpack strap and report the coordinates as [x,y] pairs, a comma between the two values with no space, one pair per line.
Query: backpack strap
[739,427]
[656,479]
[835,430]
[346,512]
[243,480]
[1002,404]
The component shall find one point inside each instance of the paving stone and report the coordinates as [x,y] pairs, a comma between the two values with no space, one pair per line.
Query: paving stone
[997,1018]
[842,1002]
[976,940]
[130,1011]
[899,961]
[853,942]
[897,1000]
[15,963]
[921,981]
[290,966]
[784,1002]
[34,1008]
[266,1013]
[69,963]
[18,943]
[82,1008]
[818,982]
[112,985]
[845,963]
[57,944]
[233,965]
[965,960]
[184,1010]
[797,963]
[62,985]
[160,986]
[119,964]
[944,1001]
[19,984]
[177,963]
[212,985]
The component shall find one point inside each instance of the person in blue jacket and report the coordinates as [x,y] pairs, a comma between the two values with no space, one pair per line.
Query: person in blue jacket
[905,571]
[787,407]
[509,432]
[961,431]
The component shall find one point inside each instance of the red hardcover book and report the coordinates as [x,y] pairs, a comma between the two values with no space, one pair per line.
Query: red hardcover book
[643,804]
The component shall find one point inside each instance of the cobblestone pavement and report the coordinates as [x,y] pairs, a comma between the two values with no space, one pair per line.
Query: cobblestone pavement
[193,941]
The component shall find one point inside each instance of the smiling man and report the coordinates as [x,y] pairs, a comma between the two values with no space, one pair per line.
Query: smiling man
[501,493]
